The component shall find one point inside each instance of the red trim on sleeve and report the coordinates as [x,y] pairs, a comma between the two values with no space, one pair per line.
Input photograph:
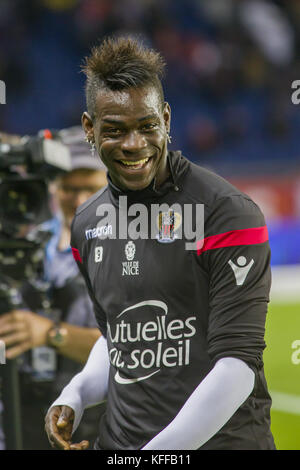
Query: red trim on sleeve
[248,236]
[76,254]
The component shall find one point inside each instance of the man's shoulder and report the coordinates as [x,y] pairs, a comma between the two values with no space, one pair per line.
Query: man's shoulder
[209,187]
[226,207]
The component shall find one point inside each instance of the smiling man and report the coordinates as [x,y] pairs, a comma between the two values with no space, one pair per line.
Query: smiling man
[129,124]
[180,357]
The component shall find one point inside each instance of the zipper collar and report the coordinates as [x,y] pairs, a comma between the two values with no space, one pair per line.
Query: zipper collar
[177,165]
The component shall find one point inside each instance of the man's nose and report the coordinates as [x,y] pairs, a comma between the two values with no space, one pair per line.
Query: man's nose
[133,142]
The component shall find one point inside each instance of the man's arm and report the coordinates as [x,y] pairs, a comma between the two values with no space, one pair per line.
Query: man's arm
[236,256]
[86,389]
[22,330]
[79,342]
[209,407]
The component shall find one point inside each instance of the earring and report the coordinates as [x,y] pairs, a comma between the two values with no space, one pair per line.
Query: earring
[92,148]
[169,138]
[92,144]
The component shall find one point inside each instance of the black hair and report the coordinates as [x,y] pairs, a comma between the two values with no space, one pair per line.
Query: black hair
[120,63]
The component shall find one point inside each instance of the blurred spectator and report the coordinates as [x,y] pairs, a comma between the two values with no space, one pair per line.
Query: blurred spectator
[56,342]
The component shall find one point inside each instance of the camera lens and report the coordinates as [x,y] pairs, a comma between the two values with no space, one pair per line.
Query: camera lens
[22,202]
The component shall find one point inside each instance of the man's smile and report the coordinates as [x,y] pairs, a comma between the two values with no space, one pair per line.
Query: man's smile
[130,165]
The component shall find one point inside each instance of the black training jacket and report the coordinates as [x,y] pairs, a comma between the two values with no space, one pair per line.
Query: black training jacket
[168,312]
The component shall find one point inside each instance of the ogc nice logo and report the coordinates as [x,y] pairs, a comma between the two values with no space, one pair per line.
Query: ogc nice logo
[2,92]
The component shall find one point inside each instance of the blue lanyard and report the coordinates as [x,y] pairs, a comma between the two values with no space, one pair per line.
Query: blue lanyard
[55,226]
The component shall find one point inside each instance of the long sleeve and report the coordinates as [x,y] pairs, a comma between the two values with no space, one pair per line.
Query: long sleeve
[209,407]
[89,387]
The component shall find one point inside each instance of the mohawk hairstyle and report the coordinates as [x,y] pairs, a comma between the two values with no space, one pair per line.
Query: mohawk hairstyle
[120,63]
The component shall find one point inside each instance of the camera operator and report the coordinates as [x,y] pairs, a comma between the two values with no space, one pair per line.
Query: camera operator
[56,344]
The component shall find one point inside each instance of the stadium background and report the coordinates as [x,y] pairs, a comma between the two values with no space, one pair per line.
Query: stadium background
[230,68]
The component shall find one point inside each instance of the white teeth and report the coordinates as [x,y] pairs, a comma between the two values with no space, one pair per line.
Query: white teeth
[138,162]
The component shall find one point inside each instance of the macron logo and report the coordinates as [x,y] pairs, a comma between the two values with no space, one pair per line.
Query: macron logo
[240,270]
[98,232]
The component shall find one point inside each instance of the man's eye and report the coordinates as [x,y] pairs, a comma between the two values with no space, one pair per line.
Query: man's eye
[113,131]
[149,127]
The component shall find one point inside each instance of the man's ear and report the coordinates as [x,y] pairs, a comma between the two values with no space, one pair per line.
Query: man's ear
[88,126]
[167,116]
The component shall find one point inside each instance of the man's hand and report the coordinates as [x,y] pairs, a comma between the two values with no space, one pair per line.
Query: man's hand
[58,426]
[22,330]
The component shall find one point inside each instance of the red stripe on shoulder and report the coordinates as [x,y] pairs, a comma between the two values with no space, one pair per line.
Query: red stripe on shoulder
[76,254]
[248,236]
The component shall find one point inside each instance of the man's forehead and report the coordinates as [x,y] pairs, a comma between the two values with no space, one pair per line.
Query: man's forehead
[139,102]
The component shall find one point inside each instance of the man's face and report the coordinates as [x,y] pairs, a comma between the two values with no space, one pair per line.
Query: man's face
[74,188]
[130,133]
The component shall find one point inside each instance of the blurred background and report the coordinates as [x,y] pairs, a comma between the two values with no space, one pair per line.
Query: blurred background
[230,69]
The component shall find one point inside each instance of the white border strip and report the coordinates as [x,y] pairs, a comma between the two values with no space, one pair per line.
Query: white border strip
[285,402]
[285,284]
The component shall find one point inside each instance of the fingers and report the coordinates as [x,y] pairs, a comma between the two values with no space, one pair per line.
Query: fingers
[13,321]
[66,417]
[56,440]
[16,338]
[83,445]
[12,317]
[59,424]
[15,351]
[10,326]
[15,333]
